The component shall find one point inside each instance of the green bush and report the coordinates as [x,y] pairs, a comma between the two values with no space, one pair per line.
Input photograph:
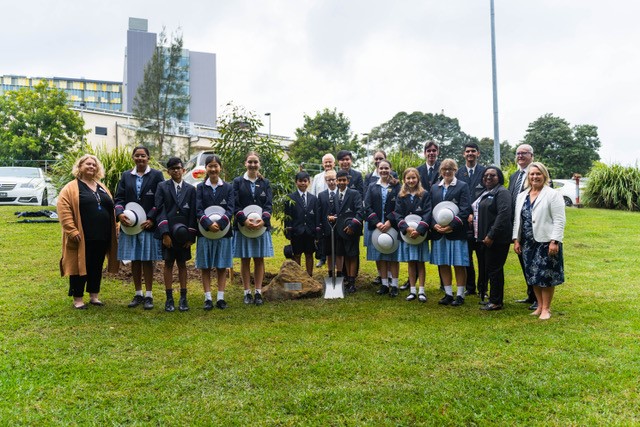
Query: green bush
[613,187]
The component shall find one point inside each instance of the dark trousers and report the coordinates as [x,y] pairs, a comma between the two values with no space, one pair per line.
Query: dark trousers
[95,252]
[471,272]
[531,295]
[491,270]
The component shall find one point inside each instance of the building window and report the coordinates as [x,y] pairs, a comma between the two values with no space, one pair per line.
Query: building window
[101,130]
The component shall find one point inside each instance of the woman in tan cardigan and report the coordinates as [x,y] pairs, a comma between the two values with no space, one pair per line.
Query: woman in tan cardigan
[85,209]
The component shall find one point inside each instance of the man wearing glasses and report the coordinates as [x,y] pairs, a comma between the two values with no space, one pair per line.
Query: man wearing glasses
[524,157]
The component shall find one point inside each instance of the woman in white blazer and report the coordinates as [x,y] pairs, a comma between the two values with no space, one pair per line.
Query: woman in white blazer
[538,230]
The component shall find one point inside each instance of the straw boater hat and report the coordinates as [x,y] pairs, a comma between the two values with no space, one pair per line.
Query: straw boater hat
[214,213]
[413,221]
[385,243]
[136,216]
[252,212]
[444,212]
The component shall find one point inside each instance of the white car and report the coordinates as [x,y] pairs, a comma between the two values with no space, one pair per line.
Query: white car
[194,169]
[25,186]
[567,187]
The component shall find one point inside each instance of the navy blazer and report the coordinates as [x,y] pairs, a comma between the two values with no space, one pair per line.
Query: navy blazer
[126,192]
[494,215]
[170,206]
[263,197]
[356,182]
[326,206]
[476,186]
[300,220]
[428,180]
[373,204]
[224,197]
[421,206]
[351,207]
[458,194]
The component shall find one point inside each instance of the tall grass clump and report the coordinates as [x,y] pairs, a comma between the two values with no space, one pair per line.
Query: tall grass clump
[401,160]
[613,187]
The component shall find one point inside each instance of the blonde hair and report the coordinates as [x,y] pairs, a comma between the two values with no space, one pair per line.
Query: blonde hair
[99,168]
[448,164]
[543,169]
[404,191]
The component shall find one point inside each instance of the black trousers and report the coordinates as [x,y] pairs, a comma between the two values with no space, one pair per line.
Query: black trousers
[491,270]
[95,252]
[471,272]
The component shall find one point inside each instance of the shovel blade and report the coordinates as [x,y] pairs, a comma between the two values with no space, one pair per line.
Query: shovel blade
[331,290]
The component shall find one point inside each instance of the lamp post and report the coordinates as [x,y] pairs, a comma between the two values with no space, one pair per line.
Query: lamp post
[367,156]
[496,132]
[269,115]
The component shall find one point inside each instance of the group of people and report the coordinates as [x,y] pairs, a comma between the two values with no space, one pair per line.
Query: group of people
[435,213]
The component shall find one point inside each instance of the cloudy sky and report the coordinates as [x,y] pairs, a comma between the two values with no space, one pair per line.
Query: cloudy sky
[370,59]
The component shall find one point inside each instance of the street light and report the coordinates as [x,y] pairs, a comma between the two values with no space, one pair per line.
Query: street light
[496,132]
[367,156]
[269,115]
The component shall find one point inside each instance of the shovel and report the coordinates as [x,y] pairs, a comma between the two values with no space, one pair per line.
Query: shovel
[333,286]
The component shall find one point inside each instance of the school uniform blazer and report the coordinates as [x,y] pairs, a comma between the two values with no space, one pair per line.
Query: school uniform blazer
[224,197]
[351,206]
[300,220]
[373,204]
[476,187]
[356,182]
[420,206]
[494,215]
[426,180]
[170,206]
[458,193]
[326,206]
[126,192]
[263,197]
[547,216]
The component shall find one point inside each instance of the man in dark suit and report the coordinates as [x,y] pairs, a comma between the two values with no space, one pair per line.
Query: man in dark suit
[524,157]
[430,170]
[176,204]
[301,221]
[471,173]
[345,159]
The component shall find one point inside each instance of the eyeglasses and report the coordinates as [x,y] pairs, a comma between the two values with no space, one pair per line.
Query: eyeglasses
[522,153]
[448,169]
[490,175]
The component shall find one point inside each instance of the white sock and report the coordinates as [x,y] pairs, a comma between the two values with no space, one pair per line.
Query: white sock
[139,293]
[448,290]
[207,296]
[394,282]
[461,290]
[149,294]
[247,291]
[220,295]
[259,291]
[421,290]
[413,290]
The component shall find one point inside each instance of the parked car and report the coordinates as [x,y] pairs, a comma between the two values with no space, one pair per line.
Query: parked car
[195,170]
[567,187]
[25,186]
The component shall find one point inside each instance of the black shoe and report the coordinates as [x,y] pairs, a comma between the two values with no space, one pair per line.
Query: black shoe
[406,286]
[258,299]
[169,306]
[136,301]
[148,303]
[446,300]
[377,281]
[221,304]
[491,307]
[422,298]
[525,301]
[248,299]
[534,306]
[208,305]
[459,301]
[467,293]
[411,296]
[320,263]
[182,304]
[351,288]
[394,291]
[383,290]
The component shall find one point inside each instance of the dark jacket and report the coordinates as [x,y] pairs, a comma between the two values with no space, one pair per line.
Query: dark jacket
[224,197]
[326,206]
[126,192]
[494,215]
[420,206]
[373,204]
[171,208]
[427,180]
[458,194]
[300,220]
[476,186]
[351,207]
[263,197]
[356,182]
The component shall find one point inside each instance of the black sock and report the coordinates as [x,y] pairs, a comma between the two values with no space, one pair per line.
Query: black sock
[183,292]
[169,293]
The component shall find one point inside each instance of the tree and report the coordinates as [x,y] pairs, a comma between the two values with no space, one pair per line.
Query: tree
[564,150]
[162,97]
[507,152]
[37,123]
[327,132]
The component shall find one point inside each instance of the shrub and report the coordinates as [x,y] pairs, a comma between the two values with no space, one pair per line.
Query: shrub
[613,187]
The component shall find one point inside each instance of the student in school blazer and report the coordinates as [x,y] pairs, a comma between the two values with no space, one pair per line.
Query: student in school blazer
[300,220]
[126,192]
[171,207]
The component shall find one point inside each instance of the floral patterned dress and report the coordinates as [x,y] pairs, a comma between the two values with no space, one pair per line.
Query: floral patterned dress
[540,269]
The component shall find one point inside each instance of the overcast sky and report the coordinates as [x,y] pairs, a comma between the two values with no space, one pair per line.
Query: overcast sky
[370,59]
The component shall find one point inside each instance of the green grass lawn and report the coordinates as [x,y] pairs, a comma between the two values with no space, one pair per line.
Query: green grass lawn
[365,360]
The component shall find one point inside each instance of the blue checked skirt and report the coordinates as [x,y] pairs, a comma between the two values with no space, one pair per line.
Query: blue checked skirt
[373,254]
[449,252]
[258,247]
[214,253]
[139,247]
[419,253]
